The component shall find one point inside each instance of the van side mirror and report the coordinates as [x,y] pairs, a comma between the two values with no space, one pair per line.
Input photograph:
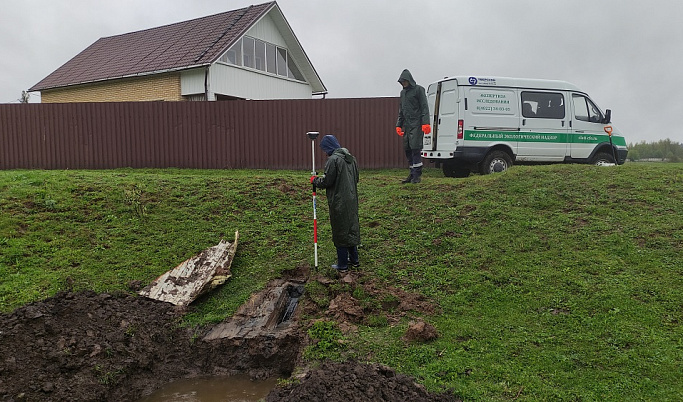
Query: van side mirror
[608,117]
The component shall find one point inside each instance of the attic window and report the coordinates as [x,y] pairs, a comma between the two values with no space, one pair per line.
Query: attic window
[292,70]
[248,52]
[263,56]
[271,61]
[234,54]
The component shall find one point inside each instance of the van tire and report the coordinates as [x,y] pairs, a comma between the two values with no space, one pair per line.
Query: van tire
[603,159]
[494,162]
[462,173]
[453,170]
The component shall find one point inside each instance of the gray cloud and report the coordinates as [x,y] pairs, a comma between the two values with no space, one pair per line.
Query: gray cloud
[624,54]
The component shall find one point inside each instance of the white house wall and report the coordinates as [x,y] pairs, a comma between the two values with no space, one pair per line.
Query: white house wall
[192,82]
[247,84]
[266,30]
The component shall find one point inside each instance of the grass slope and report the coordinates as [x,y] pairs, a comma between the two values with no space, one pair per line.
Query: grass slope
[555,282]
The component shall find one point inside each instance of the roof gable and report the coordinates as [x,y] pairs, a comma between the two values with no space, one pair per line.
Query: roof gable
[173,47]
[295,48]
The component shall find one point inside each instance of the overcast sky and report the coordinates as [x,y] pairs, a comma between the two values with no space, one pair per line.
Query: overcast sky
[626,54]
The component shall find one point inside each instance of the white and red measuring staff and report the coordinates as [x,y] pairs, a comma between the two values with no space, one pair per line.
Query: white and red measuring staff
[313,135]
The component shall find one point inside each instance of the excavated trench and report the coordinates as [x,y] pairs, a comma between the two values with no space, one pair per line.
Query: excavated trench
[118,347]
[266,319]
[102,347]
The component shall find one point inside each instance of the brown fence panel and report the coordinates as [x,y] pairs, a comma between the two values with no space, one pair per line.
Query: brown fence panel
[206,135]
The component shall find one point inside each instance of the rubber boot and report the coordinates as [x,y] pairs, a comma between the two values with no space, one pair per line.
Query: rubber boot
[418,176]
[408,179]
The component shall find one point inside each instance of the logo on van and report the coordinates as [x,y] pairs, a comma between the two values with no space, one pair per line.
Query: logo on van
[482,81]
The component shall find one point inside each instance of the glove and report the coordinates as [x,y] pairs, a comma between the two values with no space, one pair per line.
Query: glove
[426,128]
[399,131]
[313,178]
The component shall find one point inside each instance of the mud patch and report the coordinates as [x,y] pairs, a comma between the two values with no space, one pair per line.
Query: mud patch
[356,298]
[101,347]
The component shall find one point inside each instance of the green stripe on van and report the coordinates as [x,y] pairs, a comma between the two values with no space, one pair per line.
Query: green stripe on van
[540,137]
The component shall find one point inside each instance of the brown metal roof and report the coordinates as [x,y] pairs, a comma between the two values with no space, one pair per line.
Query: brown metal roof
[171,47]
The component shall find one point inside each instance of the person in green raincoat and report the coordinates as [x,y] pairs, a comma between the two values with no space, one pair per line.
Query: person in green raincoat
[413,120]
[340,183]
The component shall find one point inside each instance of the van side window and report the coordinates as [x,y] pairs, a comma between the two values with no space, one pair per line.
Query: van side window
[586,110]
[543,105]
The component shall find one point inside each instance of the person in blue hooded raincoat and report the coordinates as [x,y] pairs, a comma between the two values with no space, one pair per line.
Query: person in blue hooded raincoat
[340,183]
[413,120]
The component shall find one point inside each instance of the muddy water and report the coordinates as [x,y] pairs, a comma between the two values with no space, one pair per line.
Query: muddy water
[213,389]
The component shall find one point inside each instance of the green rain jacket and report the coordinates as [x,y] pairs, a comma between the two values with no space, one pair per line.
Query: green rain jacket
[340,183]
[413,112]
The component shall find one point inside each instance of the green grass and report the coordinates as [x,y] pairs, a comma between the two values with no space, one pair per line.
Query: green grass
[554,282]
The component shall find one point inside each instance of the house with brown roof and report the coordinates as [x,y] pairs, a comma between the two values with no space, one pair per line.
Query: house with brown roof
[249,53]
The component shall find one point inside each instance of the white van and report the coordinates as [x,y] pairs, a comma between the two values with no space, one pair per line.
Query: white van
[486,124]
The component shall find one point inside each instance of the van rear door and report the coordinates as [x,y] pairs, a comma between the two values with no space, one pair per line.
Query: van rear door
[433,95]
[444,116]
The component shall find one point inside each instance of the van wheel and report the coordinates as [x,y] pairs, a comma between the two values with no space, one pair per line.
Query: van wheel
[495,162]
[453,170]
[603,159]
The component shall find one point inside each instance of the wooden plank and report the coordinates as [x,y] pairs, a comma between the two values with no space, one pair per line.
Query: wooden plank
[260,316]
[195,276]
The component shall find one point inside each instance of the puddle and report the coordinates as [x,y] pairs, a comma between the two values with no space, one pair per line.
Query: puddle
[263,325]
[213,389]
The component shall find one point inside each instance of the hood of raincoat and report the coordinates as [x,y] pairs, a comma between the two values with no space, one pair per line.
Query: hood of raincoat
[329,144]
[406,76]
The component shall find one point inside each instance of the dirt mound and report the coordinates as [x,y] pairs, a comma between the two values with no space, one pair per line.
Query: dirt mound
[351,381]
[420,331]
[75,346]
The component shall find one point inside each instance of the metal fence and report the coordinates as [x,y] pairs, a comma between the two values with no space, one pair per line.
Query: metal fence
[205,135]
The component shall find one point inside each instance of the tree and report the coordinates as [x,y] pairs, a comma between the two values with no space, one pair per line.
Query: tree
[667,149]
[24,97]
